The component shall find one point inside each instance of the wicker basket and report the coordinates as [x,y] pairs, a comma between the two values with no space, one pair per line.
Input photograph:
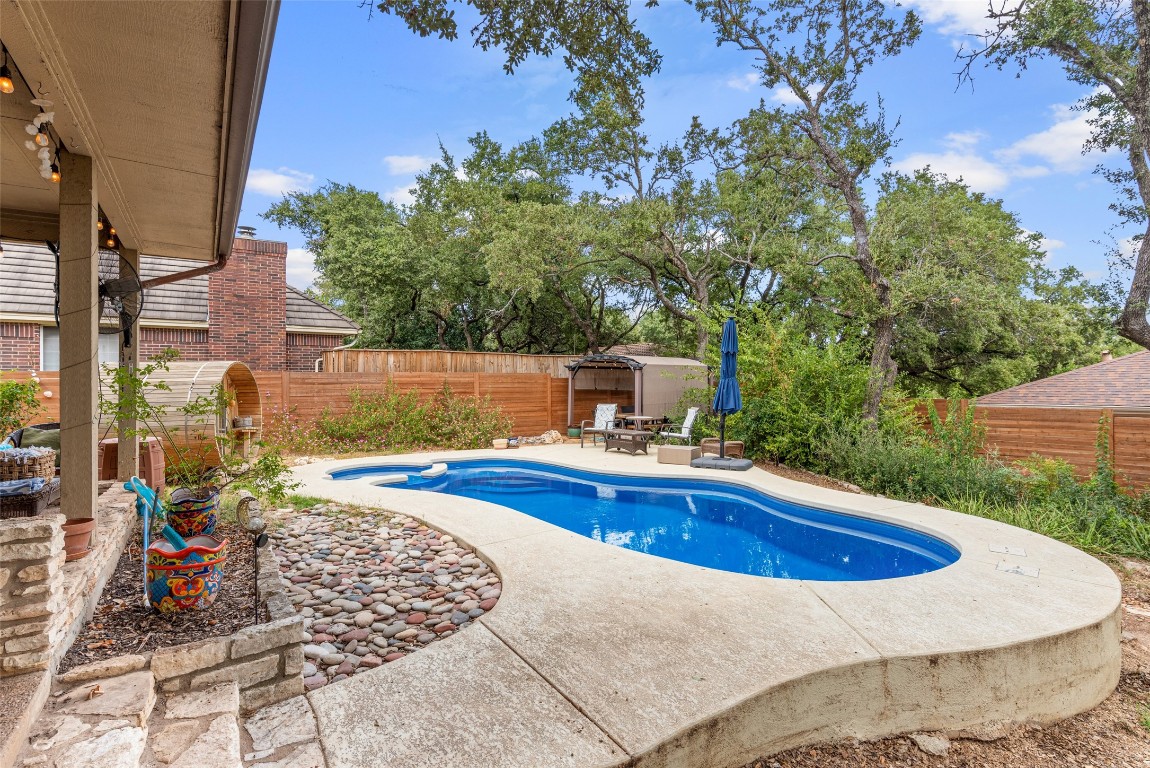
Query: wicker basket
[30,504]
[24,467]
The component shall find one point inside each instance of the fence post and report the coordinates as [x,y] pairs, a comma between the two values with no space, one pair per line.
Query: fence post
[1108,420]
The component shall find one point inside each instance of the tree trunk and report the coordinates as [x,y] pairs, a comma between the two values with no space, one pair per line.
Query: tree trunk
[1133,325]
[882,366]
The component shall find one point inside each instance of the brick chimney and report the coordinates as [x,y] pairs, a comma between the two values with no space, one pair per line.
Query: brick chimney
[246,305]
[1106,356]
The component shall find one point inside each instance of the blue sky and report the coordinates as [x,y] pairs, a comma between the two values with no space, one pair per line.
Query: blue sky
[366,102]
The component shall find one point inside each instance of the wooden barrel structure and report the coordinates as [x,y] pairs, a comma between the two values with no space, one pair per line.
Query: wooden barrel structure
[188,380]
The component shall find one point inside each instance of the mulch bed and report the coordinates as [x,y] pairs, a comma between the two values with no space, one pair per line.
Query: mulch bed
[123,625]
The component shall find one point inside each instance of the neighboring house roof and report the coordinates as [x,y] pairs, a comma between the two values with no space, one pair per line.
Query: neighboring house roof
[1120,383]
[305,312]
[644,348]
[27,276]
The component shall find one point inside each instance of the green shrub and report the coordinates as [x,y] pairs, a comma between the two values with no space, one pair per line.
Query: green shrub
[18,405]
[394,422]
[946,467]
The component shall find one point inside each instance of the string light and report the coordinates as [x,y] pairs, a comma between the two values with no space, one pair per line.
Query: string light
[6,84]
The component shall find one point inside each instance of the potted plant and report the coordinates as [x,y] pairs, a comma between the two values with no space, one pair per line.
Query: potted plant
[574,430]
[199,464]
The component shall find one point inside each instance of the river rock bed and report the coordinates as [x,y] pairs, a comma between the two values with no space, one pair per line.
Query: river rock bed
[376,586]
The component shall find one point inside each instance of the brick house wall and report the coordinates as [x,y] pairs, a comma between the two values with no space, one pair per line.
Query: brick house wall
[192,342]
[247,315]
[19,346]
[303,349]
[246,306]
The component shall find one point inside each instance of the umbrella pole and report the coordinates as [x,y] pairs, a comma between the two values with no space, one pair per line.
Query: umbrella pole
[722,435]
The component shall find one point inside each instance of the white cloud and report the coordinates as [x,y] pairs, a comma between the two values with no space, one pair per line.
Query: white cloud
[301,271]
[963,140]
[1059,146]
[278,182]
[1057,149]
[977,172]
[953,17]
[401,165]
[785,96]
[1046,244]
[401,195]
[743,82]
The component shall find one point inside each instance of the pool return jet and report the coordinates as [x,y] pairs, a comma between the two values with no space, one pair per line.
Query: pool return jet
[728,399]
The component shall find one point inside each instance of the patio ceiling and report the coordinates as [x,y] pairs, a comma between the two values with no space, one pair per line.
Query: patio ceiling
[163,96]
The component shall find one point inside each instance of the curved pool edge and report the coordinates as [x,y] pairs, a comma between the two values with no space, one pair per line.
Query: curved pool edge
[768,665]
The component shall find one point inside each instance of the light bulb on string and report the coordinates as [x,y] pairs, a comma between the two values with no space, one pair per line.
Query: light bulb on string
[41,138]
[55,173]
[99,225]
[111,231]
[111,243]
[6,84]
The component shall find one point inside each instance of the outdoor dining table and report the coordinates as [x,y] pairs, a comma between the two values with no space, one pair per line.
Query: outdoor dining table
[642,422]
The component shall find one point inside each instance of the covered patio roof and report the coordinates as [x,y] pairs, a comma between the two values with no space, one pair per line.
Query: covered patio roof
[163,97]
[154,109]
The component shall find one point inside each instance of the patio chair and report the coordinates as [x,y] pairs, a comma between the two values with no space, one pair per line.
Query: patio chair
[605,419]
[681,431]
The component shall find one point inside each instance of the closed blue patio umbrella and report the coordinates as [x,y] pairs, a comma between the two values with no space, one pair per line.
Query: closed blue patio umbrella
[728,399]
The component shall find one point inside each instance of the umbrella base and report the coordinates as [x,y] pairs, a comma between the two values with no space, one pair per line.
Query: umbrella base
[714,462]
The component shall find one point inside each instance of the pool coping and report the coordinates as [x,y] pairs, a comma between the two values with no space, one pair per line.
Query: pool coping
[639,660]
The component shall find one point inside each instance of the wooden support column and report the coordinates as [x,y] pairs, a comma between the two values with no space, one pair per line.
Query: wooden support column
[79,325]
[571,398]
[639,393]
[128,456]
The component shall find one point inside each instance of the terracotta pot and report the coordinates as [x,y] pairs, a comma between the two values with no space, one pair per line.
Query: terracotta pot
[77,534]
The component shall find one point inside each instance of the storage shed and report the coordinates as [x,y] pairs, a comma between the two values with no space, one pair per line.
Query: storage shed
[642,385]
[187,380]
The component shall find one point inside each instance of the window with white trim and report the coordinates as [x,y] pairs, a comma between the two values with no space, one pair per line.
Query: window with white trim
[109,346]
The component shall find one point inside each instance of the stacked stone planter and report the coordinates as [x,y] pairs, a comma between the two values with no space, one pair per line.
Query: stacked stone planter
[265,660]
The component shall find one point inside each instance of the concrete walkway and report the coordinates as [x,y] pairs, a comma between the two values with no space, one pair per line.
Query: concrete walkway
[600,656]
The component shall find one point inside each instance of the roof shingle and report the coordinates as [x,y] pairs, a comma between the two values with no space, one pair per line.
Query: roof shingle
[1120,383]
[27,277]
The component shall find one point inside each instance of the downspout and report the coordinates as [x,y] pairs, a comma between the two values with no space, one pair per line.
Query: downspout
[220,262]
[349,345]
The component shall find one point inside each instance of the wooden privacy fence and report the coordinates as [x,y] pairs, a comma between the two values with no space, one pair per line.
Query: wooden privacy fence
[536,402]
[437,361]
[1070,434]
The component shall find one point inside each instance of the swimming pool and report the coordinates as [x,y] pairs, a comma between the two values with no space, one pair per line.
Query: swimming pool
[708,523]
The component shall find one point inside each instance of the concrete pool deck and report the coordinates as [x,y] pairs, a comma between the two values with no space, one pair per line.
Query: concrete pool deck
[600,656]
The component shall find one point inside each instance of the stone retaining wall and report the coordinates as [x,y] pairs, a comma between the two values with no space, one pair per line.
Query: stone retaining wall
[266,660]
[31,553]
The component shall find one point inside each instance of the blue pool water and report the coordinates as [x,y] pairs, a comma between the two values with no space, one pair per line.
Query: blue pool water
[702,522]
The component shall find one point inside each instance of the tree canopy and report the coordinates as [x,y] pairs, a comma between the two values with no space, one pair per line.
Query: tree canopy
[590,234]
